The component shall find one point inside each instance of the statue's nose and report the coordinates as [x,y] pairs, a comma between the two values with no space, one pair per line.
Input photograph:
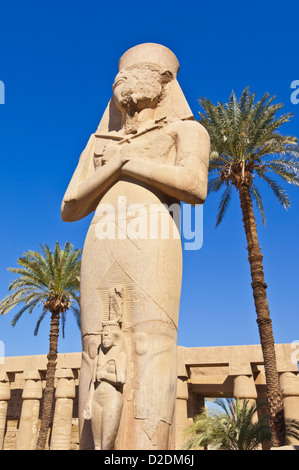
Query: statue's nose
[134,97]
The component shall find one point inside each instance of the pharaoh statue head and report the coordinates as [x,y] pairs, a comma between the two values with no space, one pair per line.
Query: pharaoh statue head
[146,79]
[144,71]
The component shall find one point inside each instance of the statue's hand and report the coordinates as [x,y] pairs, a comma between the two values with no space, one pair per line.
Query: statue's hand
[119,161]
[124,160]
[110,152]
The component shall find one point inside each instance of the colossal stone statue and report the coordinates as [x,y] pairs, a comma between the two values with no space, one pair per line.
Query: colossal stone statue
[147,155]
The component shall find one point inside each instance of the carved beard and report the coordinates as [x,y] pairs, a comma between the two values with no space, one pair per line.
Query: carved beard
[131,118]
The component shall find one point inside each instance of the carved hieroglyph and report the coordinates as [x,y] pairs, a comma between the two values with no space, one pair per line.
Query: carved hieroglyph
[147,154]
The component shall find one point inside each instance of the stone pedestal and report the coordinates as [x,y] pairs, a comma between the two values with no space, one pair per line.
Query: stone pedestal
[4,397]
[28,428]
[62,425]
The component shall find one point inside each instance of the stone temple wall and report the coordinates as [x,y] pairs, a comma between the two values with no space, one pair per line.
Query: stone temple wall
[234,371]
[22,380]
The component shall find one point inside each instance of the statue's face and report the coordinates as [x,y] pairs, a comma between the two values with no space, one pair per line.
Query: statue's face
[107,339]
[136,89]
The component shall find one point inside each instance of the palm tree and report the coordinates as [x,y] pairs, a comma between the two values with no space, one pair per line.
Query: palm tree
[246,146]
[51,280]
[235,428]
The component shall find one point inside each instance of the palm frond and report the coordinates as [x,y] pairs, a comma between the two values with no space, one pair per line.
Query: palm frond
[28,306]
[215,184]
[278,191]
[224,203]
[76,312]
[42,277]
[42,316]
[246,142]
[256,196]
[232,429]
[292,429]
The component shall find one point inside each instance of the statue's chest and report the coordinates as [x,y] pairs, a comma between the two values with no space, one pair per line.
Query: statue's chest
[155,145]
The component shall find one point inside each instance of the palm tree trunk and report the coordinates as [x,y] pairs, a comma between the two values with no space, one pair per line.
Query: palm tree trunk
[274,395]
[46,415]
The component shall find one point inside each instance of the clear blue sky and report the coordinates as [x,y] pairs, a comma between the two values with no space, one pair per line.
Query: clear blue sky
[58,60]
